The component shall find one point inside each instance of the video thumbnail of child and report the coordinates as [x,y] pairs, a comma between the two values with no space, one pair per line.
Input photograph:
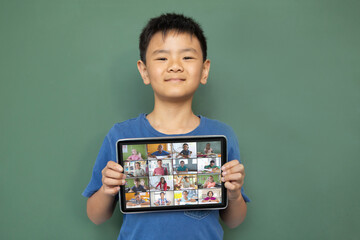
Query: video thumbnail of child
[160,167]
[209,149]
[137,184]
[209,196]
[139,199]
[185,182]
[162,198]
[134,152]
[184,150]
[185,166]
[186,197]
[136,168]
[159,151]
[209,165]
[209,181]
[161,183]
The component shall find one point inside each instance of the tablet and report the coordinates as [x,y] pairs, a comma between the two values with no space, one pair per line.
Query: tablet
[172,173]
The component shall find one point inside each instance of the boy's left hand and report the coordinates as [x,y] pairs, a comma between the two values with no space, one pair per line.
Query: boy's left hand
[233,174]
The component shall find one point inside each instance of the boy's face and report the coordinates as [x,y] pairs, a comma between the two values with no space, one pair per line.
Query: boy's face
[174,66]
[186,147]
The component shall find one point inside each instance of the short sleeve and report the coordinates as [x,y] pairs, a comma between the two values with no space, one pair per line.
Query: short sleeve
[234,153]
[103,157]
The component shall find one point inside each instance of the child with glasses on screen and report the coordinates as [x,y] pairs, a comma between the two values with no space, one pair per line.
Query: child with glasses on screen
[173,61]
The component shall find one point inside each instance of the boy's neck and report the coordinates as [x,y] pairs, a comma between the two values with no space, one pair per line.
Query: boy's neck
[173,118]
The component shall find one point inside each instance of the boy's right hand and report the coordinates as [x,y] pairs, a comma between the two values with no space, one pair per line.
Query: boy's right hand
[112,178]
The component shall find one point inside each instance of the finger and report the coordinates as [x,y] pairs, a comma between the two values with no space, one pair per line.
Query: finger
[115,166]
[233,177]
[231,186]
[235,169]
[113,182]
[229,165]
[113,174]
[111,190]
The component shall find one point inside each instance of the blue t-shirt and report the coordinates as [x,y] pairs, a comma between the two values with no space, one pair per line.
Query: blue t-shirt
[147,225]
[162,153]
[180,168]
[185,152]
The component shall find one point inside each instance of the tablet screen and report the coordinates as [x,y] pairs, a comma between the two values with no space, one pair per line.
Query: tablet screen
[172,173]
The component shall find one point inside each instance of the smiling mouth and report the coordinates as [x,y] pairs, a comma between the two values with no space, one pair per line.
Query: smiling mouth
[175,80]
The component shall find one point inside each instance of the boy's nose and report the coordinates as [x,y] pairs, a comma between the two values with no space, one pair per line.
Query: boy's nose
[175,66]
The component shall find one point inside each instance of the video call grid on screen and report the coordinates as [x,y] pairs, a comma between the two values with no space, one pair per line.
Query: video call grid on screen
[172,173]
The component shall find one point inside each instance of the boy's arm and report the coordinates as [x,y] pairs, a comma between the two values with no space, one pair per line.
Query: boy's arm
[233,176]
[100,206]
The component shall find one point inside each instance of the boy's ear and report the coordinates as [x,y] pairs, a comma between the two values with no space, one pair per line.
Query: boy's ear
[143,72]
[205,71]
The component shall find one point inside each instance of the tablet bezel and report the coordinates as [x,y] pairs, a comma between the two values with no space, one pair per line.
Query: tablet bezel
[177,139]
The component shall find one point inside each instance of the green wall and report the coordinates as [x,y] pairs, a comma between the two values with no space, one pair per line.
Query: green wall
[139,148]
[285,75]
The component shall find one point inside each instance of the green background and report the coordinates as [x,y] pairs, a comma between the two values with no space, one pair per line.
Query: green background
[130,182]
[202,178]
[139,148]
[284,74]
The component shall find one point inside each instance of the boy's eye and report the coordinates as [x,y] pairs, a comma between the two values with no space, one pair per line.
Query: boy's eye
[161,59]
[188,57]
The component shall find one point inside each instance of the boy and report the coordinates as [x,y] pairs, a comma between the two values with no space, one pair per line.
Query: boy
[162,200]
[185,153]
[173,61]
[160,152]
[212,166]
[160,170]
[182,168]
[137,186]
[137,201]
[185,199]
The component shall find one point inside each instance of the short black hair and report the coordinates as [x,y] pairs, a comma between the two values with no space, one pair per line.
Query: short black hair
[167,22]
